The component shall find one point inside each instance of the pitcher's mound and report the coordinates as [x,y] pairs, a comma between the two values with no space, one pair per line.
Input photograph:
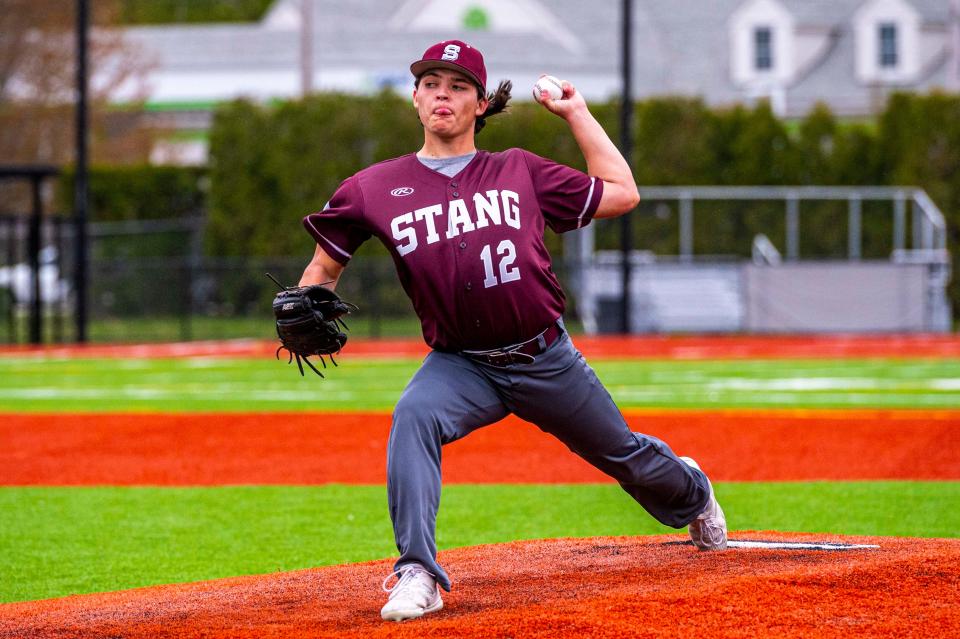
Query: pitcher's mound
[770,584]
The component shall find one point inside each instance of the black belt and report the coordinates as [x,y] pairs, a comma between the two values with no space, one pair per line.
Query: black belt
[522,353]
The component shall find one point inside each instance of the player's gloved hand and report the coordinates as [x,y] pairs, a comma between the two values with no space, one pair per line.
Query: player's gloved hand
[309,319]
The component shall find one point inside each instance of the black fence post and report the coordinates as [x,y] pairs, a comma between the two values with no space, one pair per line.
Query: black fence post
[33,255]
[59,294]
[81,198]
[11,227]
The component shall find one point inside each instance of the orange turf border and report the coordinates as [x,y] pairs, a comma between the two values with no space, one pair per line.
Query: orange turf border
[612,346]
[318,448]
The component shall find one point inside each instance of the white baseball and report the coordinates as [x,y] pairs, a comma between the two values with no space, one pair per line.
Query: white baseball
[550,84]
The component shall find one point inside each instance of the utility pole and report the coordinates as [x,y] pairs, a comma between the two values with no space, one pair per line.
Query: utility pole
[80,189]
[626,148]
[306,47]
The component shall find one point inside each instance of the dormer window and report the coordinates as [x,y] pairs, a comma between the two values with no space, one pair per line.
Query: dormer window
[887,42]
[763,48]
[887,36]
[762,52]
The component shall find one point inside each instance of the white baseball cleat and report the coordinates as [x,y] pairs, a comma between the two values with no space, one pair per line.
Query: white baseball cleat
[709,530]
[414,595]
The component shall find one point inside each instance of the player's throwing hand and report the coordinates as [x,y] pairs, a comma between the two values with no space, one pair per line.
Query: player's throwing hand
[567,103]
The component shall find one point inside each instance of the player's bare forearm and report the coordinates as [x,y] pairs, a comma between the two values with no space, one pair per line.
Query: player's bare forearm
[322,269]
[604,161]
[603,158]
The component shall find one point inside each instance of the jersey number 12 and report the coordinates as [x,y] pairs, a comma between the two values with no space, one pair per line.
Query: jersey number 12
[508,273]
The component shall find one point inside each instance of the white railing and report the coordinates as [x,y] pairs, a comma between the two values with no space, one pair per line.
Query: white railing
[929,224]
[919,237]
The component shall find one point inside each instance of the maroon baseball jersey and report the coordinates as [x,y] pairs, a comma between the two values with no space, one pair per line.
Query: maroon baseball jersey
[468,249]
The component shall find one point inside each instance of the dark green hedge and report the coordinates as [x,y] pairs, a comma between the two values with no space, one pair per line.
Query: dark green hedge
[272,165]
[141,192]
[177,11]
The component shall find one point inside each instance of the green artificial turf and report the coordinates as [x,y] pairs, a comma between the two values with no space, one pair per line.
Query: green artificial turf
[214,384]
[60,541]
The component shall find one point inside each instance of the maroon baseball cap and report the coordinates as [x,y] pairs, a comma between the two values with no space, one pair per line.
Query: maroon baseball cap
[456,55]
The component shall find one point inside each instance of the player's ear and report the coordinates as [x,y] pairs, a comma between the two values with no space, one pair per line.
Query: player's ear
[482,105]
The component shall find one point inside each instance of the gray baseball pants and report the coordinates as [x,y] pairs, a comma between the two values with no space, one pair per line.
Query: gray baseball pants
[451,396]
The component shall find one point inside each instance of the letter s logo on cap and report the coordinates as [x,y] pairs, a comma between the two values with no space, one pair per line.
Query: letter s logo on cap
[451,52]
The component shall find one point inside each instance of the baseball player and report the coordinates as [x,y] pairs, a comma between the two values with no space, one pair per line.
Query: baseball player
[465,230]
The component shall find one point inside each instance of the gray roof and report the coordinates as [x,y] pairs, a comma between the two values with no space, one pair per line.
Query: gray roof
[821,12]
[835,12]
[681,47]
[218,46]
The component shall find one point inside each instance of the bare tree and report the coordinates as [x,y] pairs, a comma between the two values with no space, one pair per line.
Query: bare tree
[37,84]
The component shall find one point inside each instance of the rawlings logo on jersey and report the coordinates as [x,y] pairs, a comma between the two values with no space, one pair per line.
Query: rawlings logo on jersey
[401,191]
[493,207]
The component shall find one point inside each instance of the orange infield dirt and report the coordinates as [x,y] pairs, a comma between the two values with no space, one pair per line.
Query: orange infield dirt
[305,448]
[601,587]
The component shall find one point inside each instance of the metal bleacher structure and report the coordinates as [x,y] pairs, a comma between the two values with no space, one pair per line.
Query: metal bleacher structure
[774,292]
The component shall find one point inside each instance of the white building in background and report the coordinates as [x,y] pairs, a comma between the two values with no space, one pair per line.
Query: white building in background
[849,54]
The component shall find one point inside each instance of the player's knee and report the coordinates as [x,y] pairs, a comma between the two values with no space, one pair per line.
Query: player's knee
[406,410]
[414,418]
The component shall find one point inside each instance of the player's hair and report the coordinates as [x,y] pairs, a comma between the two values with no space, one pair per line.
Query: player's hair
[496,101]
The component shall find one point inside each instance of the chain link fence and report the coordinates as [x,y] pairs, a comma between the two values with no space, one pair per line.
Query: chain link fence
[149,281]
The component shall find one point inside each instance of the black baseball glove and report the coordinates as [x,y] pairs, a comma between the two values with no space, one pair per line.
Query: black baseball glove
[309,319]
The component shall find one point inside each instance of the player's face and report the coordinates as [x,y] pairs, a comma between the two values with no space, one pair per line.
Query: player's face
[448,103]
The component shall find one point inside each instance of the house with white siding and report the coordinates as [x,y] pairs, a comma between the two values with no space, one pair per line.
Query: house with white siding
[849,54]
